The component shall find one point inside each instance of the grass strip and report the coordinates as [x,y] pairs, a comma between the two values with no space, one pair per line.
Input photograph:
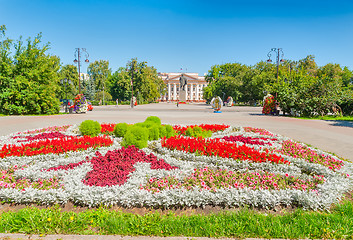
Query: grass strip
[241,224]
[329,118]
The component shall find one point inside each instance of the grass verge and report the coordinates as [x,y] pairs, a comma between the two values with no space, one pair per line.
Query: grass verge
[330,118]
[241,224]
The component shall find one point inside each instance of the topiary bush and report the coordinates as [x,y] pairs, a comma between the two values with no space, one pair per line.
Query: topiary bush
[153,119]
[197,132]
[120,129]
[137,136]
[169,131]
[153,132]
[90,128]
[162,131]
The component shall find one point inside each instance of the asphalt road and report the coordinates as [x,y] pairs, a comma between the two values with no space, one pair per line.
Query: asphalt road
[331,136]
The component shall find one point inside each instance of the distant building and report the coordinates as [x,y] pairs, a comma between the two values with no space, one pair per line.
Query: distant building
[84,76]
[194,88]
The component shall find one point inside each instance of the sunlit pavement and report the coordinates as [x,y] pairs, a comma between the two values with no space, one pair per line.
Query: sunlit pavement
[331,136]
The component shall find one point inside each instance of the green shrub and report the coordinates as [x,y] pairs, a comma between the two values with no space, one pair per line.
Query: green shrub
[153,132]
[120,129]
[153,119]
[162,131]
[197,132]
[136,136]
[140,124]
[90,127]
[169,131]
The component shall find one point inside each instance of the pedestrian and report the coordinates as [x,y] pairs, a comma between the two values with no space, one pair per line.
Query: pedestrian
[177,103]
[117,102]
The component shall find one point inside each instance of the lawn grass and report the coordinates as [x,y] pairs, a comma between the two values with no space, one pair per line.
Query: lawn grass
[245,223]
[330,118]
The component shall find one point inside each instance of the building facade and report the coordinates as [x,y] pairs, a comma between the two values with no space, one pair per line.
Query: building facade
[194,87]
[84,76]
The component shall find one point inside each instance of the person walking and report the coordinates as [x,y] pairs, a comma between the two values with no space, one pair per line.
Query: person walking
[117,102]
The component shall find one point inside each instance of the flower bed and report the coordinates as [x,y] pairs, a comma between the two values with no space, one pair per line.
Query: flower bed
[235,167]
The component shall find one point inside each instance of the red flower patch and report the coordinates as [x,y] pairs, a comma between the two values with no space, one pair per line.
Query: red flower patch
[248,140]
[216,147]
[114,167]
[56,146]
[107,127]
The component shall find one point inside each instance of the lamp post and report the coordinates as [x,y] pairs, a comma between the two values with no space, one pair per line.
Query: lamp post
[277,51]
[77,60]
[64,82]
[103,95]
[132,70]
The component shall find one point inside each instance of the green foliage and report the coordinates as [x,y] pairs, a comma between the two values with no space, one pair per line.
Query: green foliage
[169,131]
[99,71]
[89,89]
[90,128]
[302,87]
[197,132]
[28,78]
[245,223]
[137,136]
[107,97]
[162,131]
[120,129]
[70,89]
[153,119]
[153,132]
[147,85]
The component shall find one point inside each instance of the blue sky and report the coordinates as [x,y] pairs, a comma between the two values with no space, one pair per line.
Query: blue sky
[190,34]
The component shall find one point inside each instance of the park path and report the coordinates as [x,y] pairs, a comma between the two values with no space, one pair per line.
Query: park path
[331,136]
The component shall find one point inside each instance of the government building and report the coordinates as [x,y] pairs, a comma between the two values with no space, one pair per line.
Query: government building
[194,87]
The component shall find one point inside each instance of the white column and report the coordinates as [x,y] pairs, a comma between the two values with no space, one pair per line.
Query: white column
[186,95]
[197,92]
[191,91]
[174,92]
[169,93]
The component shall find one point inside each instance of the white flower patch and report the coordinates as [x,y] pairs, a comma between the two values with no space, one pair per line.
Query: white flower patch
[130,193]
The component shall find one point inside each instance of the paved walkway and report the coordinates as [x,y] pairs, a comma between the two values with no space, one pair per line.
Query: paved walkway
[331,136]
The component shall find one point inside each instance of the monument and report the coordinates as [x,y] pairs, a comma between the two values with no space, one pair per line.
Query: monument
[216,104]
[182,92]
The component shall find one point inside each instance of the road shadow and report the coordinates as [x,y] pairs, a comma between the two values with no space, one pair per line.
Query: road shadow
[340,123]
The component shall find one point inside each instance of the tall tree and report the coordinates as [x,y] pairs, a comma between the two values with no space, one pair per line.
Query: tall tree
[30,79]
[147,86]
[99,71]
[69,72]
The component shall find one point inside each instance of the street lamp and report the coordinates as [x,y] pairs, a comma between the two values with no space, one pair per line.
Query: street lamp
[132,70]
[64,82]
[77,60]
[277,51]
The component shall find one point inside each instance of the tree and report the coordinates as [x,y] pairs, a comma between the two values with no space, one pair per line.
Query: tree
[147,85]
[225,80]
[29,77]
[120,87]
[99,72]
[69,72]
